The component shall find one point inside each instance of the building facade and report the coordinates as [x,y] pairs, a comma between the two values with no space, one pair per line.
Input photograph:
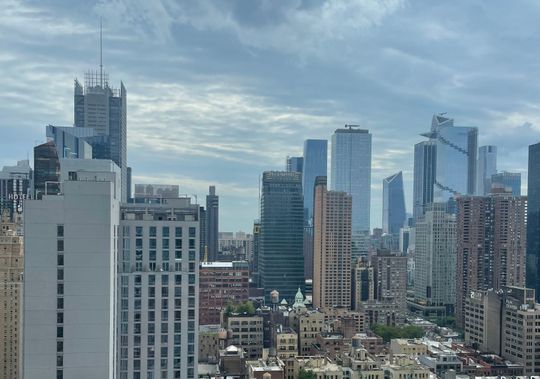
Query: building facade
[15,187]
[533,220]
[394,213]
[507,179]
[46,170]
[294,164]
[70,277]
[11,296]
[485,169]
[219,284]
[491,244]
[425,168]
[435,258]
[332,247]
[159,290]
[351,172]
[281,255]
[212,224]
[314,165]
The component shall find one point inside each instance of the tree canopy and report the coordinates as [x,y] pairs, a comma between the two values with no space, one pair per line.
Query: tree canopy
[388,332]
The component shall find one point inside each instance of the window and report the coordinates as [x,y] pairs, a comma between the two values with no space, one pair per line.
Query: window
[60,245]
[59,360]
[151,279]
[59,332]
[165,231]
[60,274]
[153,231]
[59,230]
[178,279]
[60,260]
[192,232]
[60,303]
[165,279]
[138,231]
[59,346]
[59,374]
[178,243]
[178,232]
[59,318]
[192,243]
[60,288]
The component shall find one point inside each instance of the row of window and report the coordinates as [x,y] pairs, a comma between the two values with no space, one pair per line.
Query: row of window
[152,231]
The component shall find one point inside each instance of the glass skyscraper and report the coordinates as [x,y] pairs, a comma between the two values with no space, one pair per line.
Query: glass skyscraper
[507,179]
[104,109]
[394,213]
[351,172]
[315,164]
[281,255]
[533,221]
[295,164]
[446,164]
[486,167]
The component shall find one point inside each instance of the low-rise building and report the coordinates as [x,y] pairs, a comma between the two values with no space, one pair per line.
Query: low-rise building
[212,339]
[271,368]
[403,367]
[409,347]
[286,342]
[232,362]
[308,324]
[321,366]
[358,363]
[332,345]
[373,343]
[246,331]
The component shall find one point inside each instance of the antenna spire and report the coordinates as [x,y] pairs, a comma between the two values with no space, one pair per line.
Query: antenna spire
[101,51]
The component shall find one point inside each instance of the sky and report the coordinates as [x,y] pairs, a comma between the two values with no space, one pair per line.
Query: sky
[220,91]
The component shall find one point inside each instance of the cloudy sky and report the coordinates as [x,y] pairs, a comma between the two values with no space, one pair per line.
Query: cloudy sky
[220,91]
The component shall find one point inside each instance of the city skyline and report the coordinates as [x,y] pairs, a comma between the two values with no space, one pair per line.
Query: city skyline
[266,88]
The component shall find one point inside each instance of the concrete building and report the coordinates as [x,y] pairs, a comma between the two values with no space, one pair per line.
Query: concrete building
[481,332]
[435,260]
[486,167]
[70,277]
[281,253]
[219,284]
[322,367]
[351,171]
[286,343]
[363,283]
[403,367]
[308,324]
[11,296]
[332,212]
[15,187]
[246,332]
[491,244]
[155,193]
[212,224]
[408,347]
[270,368]
[212,339]
[390,275]
[358,363]
[159,289]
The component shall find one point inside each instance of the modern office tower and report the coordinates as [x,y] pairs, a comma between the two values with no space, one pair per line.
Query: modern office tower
[11,281]
[294,164]
[485,169]
[103,109]
[159,290]
[15,187]
[254,262]
[390,275]
[308,251]
[281,256]
[46,170]
[315,164]
[394,214]
[363,284]
[507,179]
[152,193]
[435,260]
[491,244]
[425,168]
[446,164]
[70,275]
[533,220]
[332,247]
[219,284]
[351,171]
[212,224]
[129,184]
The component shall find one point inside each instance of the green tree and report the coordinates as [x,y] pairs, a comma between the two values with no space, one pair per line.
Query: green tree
[303,374]
[387,332]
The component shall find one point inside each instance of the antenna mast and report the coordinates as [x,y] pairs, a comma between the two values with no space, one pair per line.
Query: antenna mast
[101,52]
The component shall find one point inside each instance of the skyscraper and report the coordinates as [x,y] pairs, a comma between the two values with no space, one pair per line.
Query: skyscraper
[445,166]
[46,170]
[158,290]
[435,259]
[507,179]
[104,110]
[351,171]
[212,224]
[332,247]
[281,260]
[70,276]
[315,164]
[11,286]
[533,220]
[486,167]
[491,241]
[394,213]
[425,168]
[294,164]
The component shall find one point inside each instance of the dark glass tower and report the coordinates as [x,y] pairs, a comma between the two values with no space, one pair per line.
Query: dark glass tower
[533,221]
[394,213]
[315,160]
[295,164]
[46,170]
[212,224]
[281,260]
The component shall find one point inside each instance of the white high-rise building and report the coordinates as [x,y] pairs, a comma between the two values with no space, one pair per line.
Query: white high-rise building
[158,290]
[351,172]
[70,275]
